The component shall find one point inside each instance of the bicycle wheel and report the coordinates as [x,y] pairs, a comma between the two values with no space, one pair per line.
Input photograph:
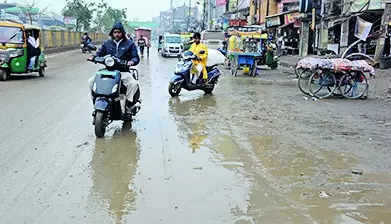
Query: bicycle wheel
[353,85]
[322,85]
[302,82]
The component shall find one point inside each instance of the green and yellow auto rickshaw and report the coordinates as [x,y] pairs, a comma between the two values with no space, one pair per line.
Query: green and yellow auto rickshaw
[16,52]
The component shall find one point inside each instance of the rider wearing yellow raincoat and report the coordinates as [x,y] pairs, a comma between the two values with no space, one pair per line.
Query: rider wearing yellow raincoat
[196,48]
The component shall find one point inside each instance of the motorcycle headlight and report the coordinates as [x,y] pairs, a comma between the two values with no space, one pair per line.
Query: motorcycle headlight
[16,53]
[94,87]
[179,67]
[109,62]
[182,67]
[115,88]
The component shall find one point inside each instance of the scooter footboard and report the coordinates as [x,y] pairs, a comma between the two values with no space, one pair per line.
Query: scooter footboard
[176,79]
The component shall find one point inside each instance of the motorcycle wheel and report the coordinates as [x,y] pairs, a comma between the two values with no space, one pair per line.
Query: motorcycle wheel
[174,89]
[209,90]
[3,75]
[274,65]
[100,128]
[41,72]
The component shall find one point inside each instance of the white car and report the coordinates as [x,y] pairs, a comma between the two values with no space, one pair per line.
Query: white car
[171,45]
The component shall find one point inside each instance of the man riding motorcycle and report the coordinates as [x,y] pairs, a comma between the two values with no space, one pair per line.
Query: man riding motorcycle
[121,47]
[200,65]
[86,40]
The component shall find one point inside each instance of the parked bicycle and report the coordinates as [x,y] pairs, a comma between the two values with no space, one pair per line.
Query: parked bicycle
[322,78]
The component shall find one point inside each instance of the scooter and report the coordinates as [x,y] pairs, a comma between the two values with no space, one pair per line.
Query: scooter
[87,48]
[108,94]
[182,77]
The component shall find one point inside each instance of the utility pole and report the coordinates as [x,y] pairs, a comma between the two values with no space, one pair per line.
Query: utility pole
[188,18]
[172,14]
[210,14]
[204,16]
[384,27]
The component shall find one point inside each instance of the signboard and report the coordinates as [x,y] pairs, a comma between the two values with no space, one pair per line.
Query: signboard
[344,41]
[243,4]
[362,29]
[69,20]
[232,5]
[291,17]
[313,19]
[273,21]
[358,5]
[238,22]
[221,2]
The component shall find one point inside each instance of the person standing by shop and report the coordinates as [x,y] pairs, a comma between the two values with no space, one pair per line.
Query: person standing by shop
[280,41]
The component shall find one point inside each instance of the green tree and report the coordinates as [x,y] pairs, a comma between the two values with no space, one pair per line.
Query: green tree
[106,16]
[81,11]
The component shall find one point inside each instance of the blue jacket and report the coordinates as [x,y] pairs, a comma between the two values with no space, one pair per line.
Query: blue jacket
[125,49]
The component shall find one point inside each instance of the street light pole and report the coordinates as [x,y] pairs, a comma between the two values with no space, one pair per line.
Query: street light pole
[188,18]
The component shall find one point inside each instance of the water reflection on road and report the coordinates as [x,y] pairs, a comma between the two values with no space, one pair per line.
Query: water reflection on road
[114,165]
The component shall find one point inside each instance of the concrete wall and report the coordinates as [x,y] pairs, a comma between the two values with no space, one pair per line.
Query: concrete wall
[63,40]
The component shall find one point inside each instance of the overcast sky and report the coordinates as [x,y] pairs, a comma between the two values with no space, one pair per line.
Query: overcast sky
[141,9]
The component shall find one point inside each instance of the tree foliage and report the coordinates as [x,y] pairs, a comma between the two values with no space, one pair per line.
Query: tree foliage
[106,16]
[81,10]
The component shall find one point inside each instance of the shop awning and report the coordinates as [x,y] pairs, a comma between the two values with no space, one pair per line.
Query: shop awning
[279,19]
[363,5]
[335,22]
[285,25]
[281,14]
[21,10]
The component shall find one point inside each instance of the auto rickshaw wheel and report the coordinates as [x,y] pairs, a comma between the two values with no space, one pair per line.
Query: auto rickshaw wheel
[3,75]
[41,72]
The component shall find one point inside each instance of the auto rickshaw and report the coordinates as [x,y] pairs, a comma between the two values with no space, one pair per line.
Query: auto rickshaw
[16,52]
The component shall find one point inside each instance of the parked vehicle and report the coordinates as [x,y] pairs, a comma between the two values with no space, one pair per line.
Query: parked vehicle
[172,45]
[322,78]
[87,48]
[213,39]
[182,76]
[14,54]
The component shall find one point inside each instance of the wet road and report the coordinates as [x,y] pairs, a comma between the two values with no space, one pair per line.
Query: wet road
[249,153]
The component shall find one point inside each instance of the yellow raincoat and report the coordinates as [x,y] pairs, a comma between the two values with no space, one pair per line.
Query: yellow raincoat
[196,48]
[232,43]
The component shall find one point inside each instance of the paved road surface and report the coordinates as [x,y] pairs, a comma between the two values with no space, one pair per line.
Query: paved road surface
[250,153]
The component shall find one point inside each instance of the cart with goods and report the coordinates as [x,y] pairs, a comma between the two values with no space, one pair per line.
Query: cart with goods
[322,78]
[244,52]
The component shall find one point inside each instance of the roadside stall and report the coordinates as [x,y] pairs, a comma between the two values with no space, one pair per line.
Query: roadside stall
[246,50]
